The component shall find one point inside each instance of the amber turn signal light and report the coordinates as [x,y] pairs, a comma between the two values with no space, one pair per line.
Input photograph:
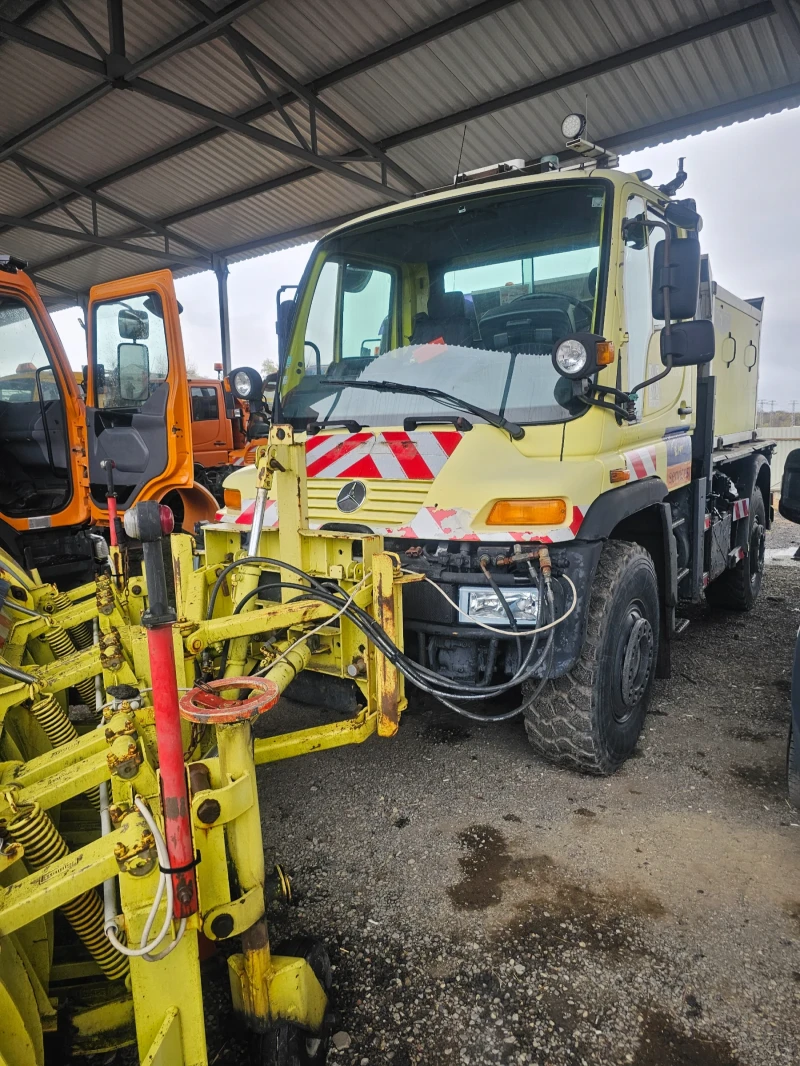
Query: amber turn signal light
[618,475]
[232,498]
[604,353]
[527,513]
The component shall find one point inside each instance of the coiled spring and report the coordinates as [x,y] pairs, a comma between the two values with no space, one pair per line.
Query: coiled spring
[59,730]
[62,646]
[44,844]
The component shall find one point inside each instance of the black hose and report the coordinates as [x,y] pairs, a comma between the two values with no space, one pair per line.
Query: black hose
[263,560]
[418,675]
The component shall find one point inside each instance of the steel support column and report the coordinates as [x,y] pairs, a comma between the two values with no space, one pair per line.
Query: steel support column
[221,270]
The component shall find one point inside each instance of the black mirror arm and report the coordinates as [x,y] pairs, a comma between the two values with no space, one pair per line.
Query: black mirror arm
[621,412]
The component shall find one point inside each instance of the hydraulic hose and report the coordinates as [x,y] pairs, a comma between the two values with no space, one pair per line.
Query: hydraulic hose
[443,689]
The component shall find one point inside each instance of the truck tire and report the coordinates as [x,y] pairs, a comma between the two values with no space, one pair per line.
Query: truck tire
[590,719]
[738,589]
[792,777]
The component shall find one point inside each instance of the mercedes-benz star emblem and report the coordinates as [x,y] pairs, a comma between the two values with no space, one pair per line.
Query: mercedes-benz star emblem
[351,496]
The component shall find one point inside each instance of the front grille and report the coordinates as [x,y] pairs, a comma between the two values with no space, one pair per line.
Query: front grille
[388,503]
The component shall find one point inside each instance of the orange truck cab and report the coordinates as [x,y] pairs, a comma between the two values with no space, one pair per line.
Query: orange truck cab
[136,412]
[225,430]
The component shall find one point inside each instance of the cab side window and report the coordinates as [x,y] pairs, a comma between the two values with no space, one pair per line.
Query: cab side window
[205,403]
[637,295]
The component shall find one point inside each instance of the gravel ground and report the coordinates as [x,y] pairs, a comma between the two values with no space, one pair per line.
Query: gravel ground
[481,906]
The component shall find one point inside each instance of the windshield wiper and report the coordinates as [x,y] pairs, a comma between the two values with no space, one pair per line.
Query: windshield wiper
[514,430]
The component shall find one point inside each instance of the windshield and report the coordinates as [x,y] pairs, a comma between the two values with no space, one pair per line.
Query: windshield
[466,296]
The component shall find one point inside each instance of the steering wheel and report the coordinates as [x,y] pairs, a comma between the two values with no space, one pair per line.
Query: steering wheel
[585,305]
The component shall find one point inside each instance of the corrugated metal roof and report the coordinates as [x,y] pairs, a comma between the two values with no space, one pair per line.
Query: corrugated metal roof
[402,76]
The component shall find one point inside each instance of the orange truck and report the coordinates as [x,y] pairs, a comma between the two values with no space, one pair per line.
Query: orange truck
[55,443]
[225,430]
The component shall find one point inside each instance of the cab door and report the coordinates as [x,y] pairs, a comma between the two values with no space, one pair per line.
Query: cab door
[137,402]
[210,429]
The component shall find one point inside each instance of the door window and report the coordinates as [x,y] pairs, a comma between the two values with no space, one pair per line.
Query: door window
[205,403]
[130,342]
[366,311]
[638,307]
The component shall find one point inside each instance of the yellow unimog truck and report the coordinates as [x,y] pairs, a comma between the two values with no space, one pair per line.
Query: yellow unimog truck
[535,357]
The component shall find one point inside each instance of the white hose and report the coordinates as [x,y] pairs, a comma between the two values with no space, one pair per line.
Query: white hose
[109,885]
[164,881]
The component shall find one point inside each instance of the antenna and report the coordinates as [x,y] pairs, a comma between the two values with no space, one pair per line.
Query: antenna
[461,152]
[586,113]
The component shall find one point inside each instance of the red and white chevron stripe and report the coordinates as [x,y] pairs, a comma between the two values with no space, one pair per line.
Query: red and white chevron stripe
[641,462]
[393,454]
[741,509]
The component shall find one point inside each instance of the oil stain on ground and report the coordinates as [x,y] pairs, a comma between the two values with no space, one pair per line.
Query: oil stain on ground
[764,779]
[663,1043]
[484,866]
[554,908]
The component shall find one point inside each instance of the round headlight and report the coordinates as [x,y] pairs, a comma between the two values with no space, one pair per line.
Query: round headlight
[573,126]
[242,385]
[571,357]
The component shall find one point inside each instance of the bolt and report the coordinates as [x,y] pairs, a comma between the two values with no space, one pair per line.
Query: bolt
[136,590]
[208,811]
[222,926]
[184,895]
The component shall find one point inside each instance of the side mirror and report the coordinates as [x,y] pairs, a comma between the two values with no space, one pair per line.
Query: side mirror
[789,505]
[683,278]
[689,343]
[133,325]
[133,372]
[283,324]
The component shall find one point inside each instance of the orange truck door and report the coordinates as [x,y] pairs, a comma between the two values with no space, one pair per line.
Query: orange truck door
[137,401]
[211,433]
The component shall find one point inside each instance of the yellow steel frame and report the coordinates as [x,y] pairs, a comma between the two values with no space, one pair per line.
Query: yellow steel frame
[163,1011]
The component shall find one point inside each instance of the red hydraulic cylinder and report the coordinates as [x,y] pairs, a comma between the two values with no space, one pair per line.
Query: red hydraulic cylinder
[148,522]
[174,792]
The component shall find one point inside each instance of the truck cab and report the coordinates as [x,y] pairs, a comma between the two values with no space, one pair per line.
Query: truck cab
[517,375]
[54,440]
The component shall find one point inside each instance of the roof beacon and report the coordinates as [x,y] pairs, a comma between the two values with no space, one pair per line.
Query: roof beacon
[573,128]
[497,170]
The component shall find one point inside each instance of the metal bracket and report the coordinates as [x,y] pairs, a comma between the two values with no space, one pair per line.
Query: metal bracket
[231,801]
[235,917]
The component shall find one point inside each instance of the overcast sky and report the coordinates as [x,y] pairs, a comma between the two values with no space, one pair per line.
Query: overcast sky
[744,178]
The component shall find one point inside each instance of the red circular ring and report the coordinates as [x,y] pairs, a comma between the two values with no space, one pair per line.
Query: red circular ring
[204,706]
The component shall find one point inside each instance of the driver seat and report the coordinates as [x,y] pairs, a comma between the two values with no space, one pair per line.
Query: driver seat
[445,322]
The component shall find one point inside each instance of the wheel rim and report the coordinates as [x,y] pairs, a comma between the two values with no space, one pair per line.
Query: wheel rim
[637,646]
[758,543]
